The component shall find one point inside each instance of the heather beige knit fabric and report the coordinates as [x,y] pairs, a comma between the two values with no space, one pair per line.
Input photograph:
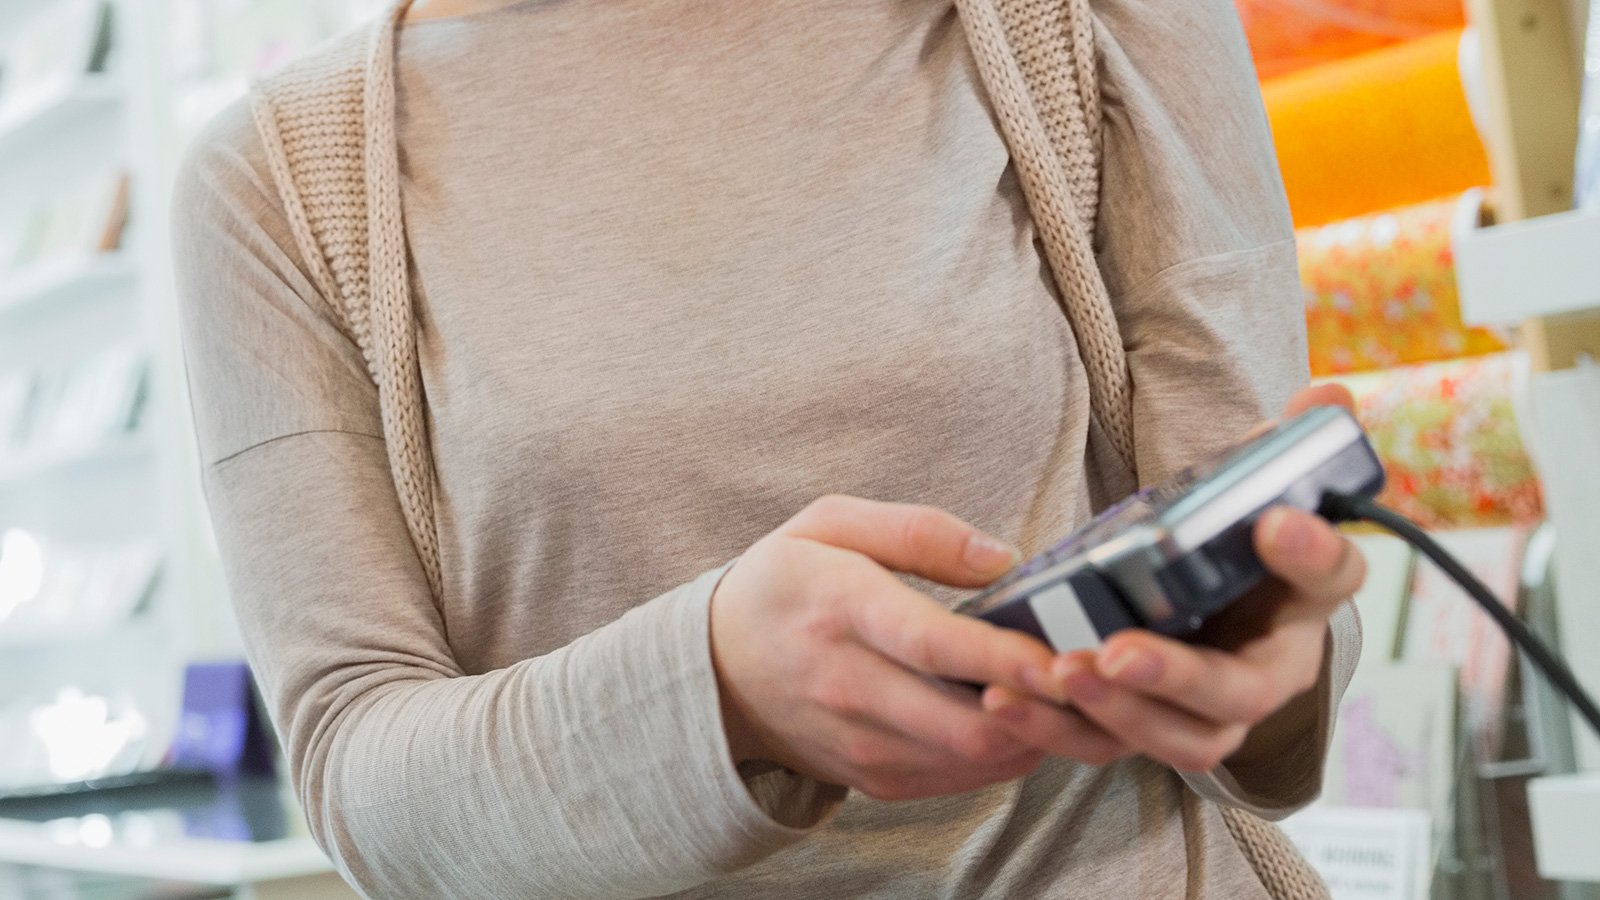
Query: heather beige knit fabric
[1212,263]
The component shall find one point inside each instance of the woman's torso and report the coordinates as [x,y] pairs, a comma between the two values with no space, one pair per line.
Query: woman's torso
[684,267]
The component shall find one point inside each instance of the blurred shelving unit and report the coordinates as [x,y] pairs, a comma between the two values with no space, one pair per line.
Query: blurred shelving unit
[147,75]
[1534,268]
[62,281]
[106,302]
[68,479]
[30,119]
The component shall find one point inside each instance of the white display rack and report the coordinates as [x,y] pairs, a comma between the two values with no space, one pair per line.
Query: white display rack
[64,639]
[1544,266]
[1564,831]
[136,118]
[36,470]
[66,280]
[291,868]
[1531,272]
[138,488]
[30,119]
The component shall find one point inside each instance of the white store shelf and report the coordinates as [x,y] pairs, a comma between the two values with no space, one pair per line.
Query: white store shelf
[75,634]
[43,467]
[30,117]
[66,280]
[173,859]
[1546,266]
[1566,841]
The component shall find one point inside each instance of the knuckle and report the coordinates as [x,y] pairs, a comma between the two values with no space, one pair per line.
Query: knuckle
[861,752]
[1343,560]
[888,790]
[980,743]
[826,622]
[920,528]
[835,693]
[916,647]
[858,583]
[1181,676]
[827,506]
[1262,706]
[876,788]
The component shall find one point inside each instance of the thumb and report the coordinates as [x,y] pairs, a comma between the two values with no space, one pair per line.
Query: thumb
[919,540]
[1326,394]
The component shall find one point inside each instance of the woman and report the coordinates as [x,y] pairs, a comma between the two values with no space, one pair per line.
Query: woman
[679,270]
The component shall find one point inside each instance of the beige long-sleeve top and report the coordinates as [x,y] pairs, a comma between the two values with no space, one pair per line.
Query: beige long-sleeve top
[681,267]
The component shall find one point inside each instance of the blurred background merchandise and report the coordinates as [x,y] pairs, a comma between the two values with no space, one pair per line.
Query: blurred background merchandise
[133,760]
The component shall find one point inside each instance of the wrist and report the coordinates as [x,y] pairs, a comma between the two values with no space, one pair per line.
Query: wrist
[744,743]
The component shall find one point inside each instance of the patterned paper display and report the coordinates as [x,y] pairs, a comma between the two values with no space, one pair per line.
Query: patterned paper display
[1380,291]
[1448,436]
[1375,131]
[1286,35]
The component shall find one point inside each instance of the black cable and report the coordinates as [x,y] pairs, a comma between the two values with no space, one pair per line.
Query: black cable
[1350,507]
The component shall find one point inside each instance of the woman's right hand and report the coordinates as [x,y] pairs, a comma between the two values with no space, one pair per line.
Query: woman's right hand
[824,656]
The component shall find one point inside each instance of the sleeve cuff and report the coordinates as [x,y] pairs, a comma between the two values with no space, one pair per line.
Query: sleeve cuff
[770,805]
[704,817]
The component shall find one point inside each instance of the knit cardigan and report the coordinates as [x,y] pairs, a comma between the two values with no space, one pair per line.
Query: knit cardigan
[329,129]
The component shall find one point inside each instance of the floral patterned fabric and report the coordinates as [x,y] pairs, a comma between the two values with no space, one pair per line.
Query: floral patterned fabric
[1380,291]
[1448,435]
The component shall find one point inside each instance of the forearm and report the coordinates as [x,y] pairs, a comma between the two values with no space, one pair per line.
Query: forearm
[591,771]
[597,769]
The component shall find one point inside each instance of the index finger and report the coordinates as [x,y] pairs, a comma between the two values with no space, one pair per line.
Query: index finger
[918,633]
[919,540]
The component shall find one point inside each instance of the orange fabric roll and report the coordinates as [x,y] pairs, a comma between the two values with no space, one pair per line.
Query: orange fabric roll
[1376,131]
[1287,35]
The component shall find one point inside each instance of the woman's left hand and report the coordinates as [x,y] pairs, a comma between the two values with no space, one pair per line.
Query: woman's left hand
[1193,706]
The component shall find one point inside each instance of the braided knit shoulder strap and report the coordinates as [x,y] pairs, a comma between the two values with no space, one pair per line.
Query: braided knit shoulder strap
[1037,61]
[328,126]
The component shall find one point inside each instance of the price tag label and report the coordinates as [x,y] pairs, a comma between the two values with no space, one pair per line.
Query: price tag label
[1367,854]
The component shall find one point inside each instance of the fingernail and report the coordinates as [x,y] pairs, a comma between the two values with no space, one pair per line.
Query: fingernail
[1131,666]
[1289,533]
[985,554]
[1079,680]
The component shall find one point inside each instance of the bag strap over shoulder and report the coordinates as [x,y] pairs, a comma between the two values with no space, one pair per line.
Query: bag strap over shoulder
[328,124]
[1037,62]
